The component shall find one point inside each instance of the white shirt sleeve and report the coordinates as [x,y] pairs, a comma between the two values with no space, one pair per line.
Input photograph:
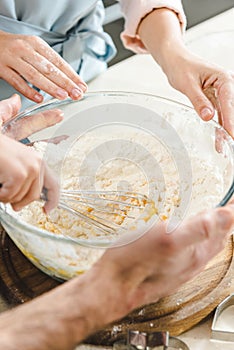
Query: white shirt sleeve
[135,10]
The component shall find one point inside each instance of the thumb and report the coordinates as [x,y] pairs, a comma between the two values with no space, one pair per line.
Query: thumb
[214,224]
[9,107]
[201,103]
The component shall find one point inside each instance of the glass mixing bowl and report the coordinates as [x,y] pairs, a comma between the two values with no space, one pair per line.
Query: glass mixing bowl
[125,142]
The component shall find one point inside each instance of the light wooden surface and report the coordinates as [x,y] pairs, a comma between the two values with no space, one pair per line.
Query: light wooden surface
[183,309]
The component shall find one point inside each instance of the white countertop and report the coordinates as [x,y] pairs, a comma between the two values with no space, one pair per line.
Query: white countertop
[140,73]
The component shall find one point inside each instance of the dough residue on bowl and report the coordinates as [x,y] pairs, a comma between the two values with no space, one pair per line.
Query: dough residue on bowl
[126,159]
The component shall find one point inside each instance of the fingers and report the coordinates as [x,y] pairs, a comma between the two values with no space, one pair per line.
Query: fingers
[55,59]
[30,59]
[158,263]
[225,97]
[208,86]
[181,255]
[202,104]
[28,188]
[206,226]
[211,225]
[53,76]
[219,96]
[29,192]
[24,184]
[20,194]
[219,88]
[27,126]
[9,108]
[52,81]
[41,121]
[23,173]
[14,78]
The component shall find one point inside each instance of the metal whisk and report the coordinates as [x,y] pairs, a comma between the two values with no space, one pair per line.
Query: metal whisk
[105,210]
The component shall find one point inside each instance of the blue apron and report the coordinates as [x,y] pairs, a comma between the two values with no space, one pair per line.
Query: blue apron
[73,28]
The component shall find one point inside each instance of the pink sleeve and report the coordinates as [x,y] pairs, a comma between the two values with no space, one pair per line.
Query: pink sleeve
[135,10]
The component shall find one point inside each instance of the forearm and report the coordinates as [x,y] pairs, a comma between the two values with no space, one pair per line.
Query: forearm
[43,323]
[61,318]
[126,277]
[160,31]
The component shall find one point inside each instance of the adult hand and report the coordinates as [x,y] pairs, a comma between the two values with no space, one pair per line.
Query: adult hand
[25,127]
[158,262]
[124,278]
[208,86]
[23,175]
[27,58]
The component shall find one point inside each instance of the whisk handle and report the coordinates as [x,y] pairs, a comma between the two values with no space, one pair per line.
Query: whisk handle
[44,194]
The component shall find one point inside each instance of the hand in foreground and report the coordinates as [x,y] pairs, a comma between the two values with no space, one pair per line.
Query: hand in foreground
[158,263]
[124,278]
[30,59]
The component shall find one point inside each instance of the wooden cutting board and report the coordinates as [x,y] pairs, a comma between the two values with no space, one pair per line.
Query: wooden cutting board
[20,281]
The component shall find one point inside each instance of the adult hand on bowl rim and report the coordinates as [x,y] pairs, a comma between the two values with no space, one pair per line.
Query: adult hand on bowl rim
[22,128]
[208,86]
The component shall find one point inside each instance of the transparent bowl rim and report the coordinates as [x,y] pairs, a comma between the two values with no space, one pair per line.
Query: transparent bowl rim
[30,229]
